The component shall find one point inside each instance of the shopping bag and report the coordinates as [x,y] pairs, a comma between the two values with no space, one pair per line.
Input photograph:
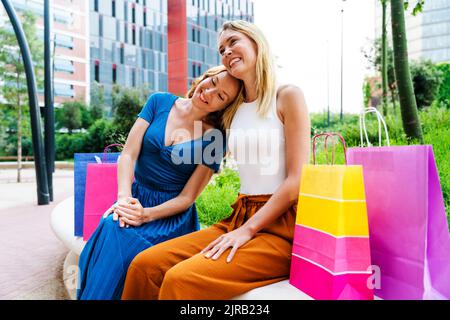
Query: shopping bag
[409,237]
[81,161]
[101,193]
[331,250]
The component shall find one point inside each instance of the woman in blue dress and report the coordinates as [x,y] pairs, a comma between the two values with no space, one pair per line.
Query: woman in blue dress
[171,152]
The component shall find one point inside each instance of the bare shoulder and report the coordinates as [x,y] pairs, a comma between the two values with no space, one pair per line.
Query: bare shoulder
[290,101]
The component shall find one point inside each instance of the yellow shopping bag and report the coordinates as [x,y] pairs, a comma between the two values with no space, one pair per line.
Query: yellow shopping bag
[331,250]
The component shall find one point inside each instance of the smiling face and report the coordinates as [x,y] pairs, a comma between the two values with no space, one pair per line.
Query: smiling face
[216,92]
[239,53]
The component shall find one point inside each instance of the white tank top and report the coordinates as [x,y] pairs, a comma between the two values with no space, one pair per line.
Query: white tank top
[258,146]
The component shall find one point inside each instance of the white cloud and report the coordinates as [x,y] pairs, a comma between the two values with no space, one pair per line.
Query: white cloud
[298,32]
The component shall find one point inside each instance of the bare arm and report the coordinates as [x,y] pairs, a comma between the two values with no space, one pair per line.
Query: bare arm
[135,215]
[130,153]
[297,129]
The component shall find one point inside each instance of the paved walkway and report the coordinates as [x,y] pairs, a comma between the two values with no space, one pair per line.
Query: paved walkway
[31,257]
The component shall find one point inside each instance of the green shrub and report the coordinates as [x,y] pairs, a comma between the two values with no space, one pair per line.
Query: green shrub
[102,133]
[214,203]
[443,95]
[68,144]
[427,78]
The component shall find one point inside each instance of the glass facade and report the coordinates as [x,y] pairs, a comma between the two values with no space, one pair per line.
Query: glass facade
[204,20]
[129,39]
[428,32]
[128,44]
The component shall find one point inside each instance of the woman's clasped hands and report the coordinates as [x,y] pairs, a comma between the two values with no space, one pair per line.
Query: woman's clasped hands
[129,212]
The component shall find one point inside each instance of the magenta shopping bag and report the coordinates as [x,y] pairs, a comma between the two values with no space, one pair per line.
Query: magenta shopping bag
[409,236]
[101,193]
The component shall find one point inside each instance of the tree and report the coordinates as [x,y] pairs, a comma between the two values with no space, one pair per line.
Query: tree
[374,56]
[127,105]
[12,73]
[408,105]
[367,93]
[69,116]
[427,79]
[384,58]
[97,101]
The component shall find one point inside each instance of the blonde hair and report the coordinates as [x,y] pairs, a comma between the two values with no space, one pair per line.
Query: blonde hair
[221,119]
[265,63]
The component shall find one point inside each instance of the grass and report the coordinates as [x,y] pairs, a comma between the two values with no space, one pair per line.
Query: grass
[214,204]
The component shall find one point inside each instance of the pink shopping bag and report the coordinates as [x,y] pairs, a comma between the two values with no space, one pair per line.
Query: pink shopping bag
[101,193]
[409,236]
[331,251]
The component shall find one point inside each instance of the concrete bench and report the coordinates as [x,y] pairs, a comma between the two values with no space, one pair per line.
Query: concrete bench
[62,223]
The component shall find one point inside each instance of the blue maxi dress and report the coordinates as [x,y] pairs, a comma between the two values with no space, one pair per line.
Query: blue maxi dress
[161,173]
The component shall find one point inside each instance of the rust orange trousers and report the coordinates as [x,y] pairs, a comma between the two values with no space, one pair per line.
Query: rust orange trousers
[175,269]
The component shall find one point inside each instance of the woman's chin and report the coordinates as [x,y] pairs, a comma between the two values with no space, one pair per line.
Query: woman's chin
[237,72]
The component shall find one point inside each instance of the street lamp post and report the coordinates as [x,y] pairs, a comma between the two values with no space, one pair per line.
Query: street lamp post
[328,84]
[49,114]
[342,61]
[43,196]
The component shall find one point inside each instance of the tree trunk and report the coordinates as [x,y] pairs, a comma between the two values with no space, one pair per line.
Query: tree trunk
[384,71]
[408,105]
[394,105]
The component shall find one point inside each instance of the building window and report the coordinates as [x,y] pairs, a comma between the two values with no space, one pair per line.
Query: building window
[64,66]
[133,14]
[193,34]
[122,53]
[63,17]
[113,8]
[126,32]
[114,73]
[64,90]
[100,28]
[133,77]
[145,17]
[96,5]
[133,34]
[64,41]
[97,71]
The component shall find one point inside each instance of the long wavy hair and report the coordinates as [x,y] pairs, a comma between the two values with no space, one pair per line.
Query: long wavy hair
[265,63]
[219,119]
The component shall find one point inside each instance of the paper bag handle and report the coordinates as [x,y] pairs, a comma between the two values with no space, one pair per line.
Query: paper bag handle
[328,135]
[105,151]
[362,127]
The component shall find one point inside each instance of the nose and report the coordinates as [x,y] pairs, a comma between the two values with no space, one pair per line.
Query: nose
[209,91]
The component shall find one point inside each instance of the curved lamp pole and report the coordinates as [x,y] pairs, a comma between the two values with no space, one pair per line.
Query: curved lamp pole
[49,123]
[38,146]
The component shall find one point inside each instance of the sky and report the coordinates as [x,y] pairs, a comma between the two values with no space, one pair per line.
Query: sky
[299,33]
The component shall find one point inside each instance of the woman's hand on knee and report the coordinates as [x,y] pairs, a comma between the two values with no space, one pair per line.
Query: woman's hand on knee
[131,213]
[234,240]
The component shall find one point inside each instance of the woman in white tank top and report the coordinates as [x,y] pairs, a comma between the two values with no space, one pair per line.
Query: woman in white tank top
[269,137]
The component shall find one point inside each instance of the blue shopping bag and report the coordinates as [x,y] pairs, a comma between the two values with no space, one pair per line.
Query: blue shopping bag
[81,161]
